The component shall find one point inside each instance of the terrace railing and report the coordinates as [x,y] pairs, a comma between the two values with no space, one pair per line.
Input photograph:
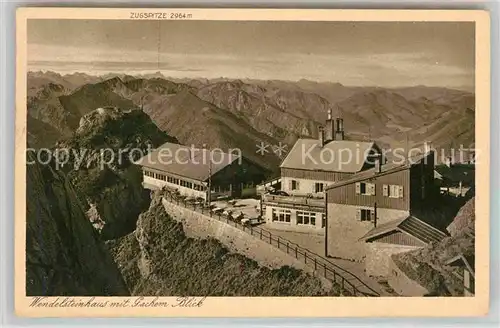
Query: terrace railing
[347,281]
[294,200]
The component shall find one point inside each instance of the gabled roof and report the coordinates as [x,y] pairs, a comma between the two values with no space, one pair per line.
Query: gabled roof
[186,161]
[461,259]
[334,156]
[410,225]
[457,173]
[385,169]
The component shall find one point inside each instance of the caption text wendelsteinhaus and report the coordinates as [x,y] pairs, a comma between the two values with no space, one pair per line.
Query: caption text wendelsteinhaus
[128,302]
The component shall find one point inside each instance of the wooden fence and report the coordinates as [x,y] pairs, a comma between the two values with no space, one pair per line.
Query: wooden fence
[346,280]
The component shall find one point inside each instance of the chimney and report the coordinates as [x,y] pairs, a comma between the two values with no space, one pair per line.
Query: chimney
[329,133]
[378,163]
[321,136]
[339,132]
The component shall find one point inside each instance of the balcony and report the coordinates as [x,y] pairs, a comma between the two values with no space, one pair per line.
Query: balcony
[294,200]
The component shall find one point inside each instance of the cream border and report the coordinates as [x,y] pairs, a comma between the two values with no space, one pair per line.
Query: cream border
[284,306]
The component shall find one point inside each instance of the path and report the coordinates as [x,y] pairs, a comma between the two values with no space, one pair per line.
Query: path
[316,243]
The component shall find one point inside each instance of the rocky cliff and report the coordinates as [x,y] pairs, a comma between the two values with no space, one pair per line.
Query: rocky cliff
[64,254]
[100,156]
[428,266]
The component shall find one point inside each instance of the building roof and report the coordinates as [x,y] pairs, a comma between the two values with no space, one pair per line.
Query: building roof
[335,155]
[186,161]
[372,172]
[457,173]
[409,225]
[461,259]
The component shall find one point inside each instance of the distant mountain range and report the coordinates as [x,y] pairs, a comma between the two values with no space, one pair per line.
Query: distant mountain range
[242,113]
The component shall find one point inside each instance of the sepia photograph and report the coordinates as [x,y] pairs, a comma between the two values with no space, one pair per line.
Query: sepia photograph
[249,158]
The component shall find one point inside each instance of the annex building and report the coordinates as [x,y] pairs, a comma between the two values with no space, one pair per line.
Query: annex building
[191,171]
[370,214]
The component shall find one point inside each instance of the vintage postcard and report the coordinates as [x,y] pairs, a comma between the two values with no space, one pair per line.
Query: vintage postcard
[252,163]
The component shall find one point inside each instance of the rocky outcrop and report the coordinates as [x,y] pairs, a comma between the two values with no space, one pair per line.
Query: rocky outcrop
[428,266]
[100,165]
[64,254]
[159,259]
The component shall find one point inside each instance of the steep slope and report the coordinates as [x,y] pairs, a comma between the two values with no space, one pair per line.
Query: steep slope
[99,164]
[197,122]
[40,134]
[284,115]
[158,259]
[37,80]
[427,266]
[64,255]
[45,106]
[92,96]
[387,116]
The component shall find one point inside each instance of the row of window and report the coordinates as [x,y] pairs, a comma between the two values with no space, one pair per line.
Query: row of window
[304,218]
[317,187]
[392,191]
[172,180]
[362,188]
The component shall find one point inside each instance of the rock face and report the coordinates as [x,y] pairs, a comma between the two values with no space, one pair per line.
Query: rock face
[428,266]
[64,254]
[158,259]
[101,153]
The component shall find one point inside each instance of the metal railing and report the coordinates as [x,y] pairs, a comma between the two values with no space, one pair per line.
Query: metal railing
[322,266]
[294,200]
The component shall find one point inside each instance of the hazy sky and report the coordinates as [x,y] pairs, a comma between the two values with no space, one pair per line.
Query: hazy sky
[382,54]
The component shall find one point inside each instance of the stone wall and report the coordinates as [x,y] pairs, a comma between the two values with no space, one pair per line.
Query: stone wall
[345,230]
[403,285]
[197,225]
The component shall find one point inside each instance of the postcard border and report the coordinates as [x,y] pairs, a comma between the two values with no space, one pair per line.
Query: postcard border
[259,307]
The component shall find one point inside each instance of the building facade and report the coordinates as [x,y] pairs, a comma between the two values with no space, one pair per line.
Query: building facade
[191,172]
[294,213]
[308,169]
[383,195]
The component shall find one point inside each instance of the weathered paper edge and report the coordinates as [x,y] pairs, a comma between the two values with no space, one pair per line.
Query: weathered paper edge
[280,306]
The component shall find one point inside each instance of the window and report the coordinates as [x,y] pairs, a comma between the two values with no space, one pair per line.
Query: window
[364,188]
[308,218]
[281,215]
[294,185]
[365,214]
[323,220]
[393,191]
[319,187]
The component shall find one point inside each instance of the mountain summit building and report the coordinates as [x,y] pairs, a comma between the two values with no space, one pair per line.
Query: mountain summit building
[191,171]
[311,166]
